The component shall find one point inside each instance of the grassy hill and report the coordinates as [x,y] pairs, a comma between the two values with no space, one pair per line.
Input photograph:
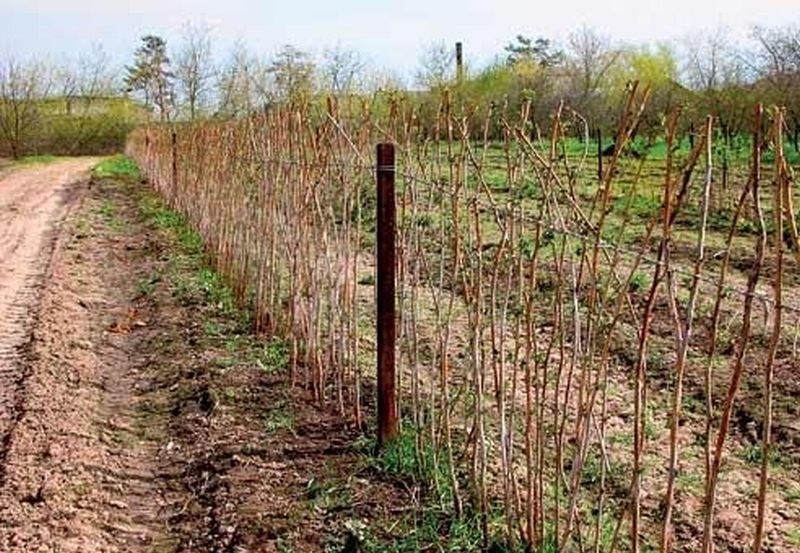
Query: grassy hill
[67,125]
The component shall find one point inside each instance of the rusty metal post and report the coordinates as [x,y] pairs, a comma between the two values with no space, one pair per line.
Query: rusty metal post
[174,162]
[385,234]
[599,155]
[459,63]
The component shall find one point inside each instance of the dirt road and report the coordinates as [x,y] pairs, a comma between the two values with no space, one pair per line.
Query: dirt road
[137,413]
[33,203]
[77,473]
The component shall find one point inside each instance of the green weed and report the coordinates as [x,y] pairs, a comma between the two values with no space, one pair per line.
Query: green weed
[752,456]
[639,282]
[147,286]
[792,495]
[430,530]
[273,356]
[277,418]
[109,213]
[793,535]
[117,166]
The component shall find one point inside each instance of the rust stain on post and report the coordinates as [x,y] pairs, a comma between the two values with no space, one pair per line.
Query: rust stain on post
[386,223]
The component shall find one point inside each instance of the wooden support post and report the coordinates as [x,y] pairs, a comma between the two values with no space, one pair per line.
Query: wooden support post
[385,234]
[459,63]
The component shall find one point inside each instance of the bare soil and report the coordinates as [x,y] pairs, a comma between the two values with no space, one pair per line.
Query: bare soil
[33,204]
[137,411]
[139,414]
[77,474]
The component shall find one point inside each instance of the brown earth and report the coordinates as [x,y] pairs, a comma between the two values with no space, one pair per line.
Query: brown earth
[67,482]
[138,412]
[33,203]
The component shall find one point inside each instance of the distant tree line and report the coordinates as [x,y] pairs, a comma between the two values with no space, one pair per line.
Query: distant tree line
[86,105]
[708,73]
[70,108]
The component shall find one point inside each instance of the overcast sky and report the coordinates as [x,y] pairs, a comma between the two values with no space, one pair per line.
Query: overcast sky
[391,34]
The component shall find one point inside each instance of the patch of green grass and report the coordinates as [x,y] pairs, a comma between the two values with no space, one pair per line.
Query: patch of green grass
[272,356]
[623,439]
[109,212]
[195,284]
[225,362]
[213,328]
[752,456]
[146,287]
[399,457]
[411,459]
[651,429]
[277,417]
[693,405]
[162,217]
[689,481]
[793,535]
[792,495]
[230,394]
[37,160]
[117,166]
[204,286]
[430,530]
[328,494]
[642,207]
[639,282]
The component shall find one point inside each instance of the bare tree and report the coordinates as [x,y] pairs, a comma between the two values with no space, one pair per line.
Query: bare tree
[383,79]
[22,88]
[780,50]
[590,57]
[242,84]
[194,69]
[778,65]
[712,62]
[97,76]
[89,77]
[292,71]
[436,66]
[342,70]
[717,69]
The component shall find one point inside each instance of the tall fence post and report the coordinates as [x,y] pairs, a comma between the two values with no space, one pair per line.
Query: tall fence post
[599,134]
[174,164]
[459,63]
[385,234]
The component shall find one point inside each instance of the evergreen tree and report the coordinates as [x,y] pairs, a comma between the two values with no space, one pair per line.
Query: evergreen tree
[151,76]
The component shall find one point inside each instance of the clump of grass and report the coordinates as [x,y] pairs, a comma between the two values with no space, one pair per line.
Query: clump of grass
[116,166]
[159,215]
[278,416]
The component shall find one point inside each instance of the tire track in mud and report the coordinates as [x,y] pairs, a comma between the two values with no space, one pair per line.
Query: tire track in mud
[33,203]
